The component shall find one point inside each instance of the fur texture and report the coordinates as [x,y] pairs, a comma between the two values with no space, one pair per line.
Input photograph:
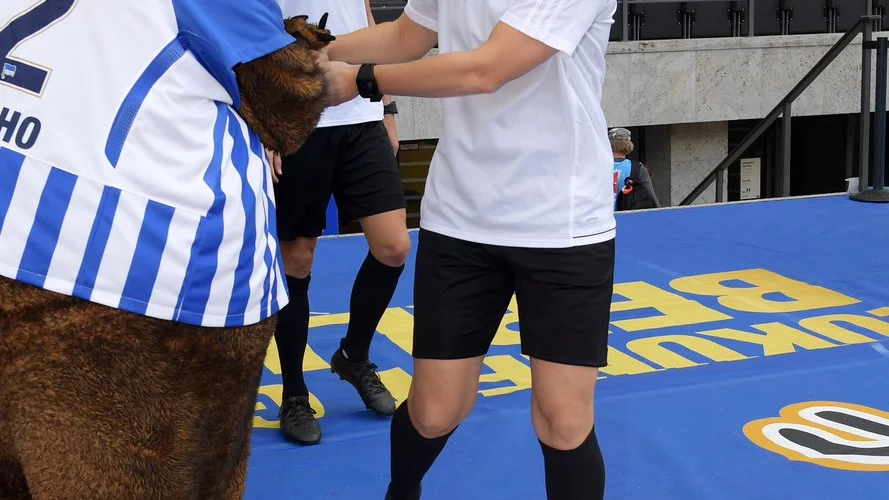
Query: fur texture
[284,93]
[97,403]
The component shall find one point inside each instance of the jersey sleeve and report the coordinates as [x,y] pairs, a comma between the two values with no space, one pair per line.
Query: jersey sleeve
[561,24]
[423,12]
[233,31]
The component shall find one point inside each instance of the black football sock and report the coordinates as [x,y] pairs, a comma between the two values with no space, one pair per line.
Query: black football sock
[577,474]
[412,455]
[292,336]
[373,289]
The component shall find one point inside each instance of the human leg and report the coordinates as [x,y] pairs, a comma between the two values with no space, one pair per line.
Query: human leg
[377,279]
[562,412]
[297,418]
[368,188]
[302,195]
[460,295]
[564,302]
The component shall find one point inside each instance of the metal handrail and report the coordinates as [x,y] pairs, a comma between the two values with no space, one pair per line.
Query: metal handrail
[863,26]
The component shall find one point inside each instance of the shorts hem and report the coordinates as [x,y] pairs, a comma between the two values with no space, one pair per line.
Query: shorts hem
[381,204]
[287,237]
[447,357]
[568,361]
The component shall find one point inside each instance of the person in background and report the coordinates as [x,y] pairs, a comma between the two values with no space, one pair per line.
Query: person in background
[640,193]
[351,154]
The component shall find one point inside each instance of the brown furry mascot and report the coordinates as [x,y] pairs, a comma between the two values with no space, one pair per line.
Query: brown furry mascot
[100,403]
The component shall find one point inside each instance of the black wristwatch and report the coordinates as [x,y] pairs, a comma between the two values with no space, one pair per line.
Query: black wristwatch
[367,84]
[390,109]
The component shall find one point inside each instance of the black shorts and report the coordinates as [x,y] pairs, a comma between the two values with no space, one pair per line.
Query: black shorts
[462,290]
[355,163]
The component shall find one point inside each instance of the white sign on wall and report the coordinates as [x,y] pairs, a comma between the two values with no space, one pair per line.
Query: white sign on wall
[750,178]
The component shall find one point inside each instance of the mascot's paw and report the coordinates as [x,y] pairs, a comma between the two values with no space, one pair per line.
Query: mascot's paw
[315,36]
[284,93]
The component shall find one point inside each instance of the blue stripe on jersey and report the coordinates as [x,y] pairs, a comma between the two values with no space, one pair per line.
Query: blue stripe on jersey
[278,264]
[44,235]
[147,257]
[272,269]
[95,247]
[126,115]
[277,267]
[237,305]
[256,147]
[202,264]
[10,166]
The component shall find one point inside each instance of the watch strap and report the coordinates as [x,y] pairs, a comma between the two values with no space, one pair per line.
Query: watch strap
[367,84]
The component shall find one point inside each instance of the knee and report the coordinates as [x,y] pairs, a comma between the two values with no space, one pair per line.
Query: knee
[563,430]
[298,257]
[393,253]
[433,420]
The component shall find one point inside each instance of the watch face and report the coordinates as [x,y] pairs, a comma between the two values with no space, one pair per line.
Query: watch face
[365,82]
[366,89]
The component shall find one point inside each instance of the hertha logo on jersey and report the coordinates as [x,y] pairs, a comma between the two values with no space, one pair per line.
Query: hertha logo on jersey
[835,435]
[8,71]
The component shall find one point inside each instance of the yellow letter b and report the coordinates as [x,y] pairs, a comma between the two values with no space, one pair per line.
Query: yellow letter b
[762,291]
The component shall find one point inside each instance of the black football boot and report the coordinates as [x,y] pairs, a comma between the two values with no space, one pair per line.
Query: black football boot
[298,423]
[363,376]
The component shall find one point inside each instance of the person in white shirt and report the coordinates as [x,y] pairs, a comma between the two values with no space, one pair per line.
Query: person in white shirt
[351,154]
[518,200]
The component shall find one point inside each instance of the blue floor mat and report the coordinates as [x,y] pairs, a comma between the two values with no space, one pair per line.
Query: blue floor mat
[723,317]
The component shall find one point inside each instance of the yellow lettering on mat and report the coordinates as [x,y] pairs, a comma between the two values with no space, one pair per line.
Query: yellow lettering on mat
[675,310]
[803,296]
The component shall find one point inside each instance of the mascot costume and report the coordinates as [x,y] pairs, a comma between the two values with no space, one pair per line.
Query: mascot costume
[139,269]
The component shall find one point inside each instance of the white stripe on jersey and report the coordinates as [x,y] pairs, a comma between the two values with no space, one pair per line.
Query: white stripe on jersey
[171,272]
[143,189]
[122,250]
[121,247]
[78,222]
[255,174]
[278,294]
[22,209]
[232,227]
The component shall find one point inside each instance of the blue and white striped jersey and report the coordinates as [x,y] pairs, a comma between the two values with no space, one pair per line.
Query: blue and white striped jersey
[127,177]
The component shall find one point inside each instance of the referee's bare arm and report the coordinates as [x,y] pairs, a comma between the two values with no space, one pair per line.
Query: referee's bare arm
[386,43]
[505,56]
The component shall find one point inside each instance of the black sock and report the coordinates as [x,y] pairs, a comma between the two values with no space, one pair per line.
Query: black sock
[373,289]
[412,455]
[292,337]
[577,474]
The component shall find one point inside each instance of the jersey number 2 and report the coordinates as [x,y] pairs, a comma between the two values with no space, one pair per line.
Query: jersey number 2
[17,73]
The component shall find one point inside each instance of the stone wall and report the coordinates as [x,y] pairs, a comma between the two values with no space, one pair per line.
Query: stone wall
[702,80]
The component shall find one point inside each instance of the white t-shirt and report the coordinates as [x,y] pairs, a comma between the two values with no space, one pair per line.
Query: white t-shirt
[127,177]
[529,165]
[344,16]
